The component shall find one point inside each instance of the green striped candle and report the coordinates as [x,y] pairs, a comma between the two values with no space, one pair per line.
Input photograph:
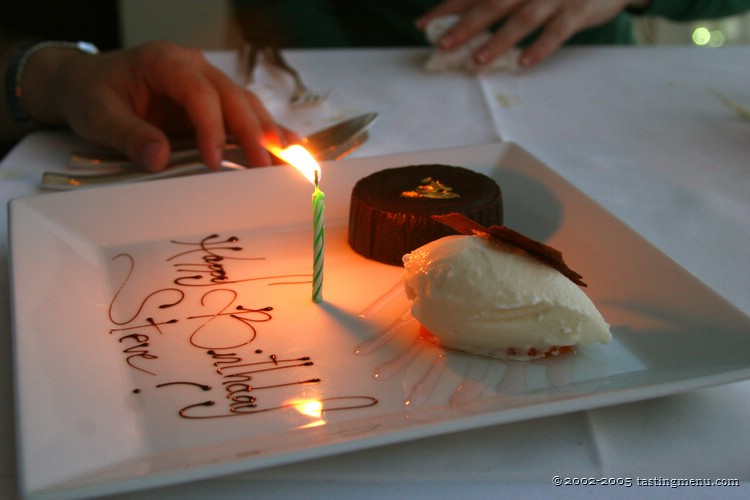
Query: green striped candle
[298,157]
[318,202]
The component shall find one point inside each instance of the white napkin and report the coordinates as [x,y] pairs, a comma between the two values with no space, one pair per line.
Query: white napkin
[398,95]
[461,58]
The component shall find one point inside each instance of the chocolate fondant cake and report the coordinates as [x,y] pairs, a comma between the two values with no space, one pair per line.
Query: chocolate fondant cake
[391,210]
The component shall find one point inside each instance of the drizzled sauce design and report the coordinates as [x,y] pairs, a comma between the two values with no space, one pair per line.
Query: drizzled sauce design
[202,309]
[402,344]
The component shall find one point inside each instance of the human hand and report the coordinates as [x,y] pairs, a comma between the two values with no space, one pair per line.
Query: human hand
[134,99]
[558,20]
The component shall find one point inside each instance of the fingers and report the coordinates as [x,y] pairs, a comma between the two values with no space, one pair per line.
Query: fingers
[101,114]
[139,95]
[216,105]
[182,77]
[520,23]
[556,32]
[477,19]
[447,8]
[250,123]
[287,136]
[119,127]
[555,21]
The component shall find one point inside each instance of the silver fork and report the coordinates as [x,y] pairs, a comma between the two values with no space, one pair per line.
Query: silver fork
[301,95]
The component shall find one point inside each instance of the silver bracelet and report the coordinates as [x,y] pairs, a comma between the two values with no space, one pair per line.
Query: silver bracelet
[13,91]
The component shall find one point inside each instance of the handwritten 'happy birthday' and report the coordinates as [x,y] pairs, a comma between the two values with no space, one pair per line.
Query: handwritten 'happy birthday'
[206,274]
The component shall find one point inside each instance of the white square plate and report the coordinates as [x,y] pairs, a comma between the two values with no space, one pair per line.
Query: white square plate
[128,330]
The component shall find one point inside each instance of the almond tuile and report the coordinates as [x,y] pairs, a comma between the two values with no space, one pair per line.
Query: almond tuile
[544,253]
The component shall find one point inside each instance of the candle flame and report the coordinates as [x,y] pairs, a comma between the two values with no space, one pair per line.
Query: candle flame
[301,159]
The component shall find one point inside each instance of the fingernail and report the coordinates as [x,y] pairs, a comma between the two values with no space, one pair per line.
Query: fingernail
[446,41]
[267,160]
[482,57]
[216,157]
[150,155]
[260,157]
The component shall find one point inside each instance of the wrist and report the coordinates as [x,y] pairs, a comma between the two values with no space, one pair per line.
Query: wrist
[32,78]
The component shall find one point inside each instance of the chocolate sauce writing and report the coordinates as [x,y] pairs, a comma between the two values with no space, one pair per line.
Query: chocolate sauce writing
[201,309]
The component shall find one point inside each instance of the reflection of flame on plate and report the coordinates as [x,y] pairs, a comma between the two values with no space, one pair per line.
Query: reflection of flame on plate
[312,408]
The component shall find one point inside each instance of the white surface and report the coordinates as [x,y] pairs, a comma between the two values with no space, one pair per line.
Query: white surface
[683,185]
[83,430]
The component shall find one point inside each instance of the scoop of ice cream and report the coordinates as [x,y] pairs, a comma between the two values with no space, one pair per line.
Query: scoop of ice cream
[482,296]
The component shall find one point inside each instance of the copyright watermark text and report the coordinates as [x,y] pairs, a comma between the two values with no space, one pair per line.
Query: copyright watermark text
[629,482]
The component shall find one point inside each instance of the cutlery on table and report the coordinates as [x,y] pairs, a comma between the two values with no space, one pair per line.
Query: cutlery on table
[331,143]
[301,95]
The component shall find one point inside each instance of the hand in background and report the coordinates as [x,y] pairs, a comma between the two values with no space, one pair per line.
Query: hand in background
[134,99]
[557,21]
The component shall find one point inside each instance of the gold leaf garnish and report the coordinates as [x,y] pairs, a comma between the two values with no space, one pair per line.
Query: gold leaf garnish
[431,188]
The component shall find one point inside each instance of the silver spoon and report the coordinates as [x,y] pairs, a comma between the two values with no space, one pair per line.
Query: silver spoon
[332,143]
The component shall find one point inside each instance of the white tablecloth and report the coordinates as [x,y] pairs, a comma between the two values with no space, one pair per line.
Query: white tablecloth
[658,136]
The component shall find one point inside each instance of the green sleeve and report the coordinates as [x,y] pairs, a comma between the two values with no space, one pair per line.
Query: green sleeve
[332,23]
[378,23]
[290,23]
[687,10]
